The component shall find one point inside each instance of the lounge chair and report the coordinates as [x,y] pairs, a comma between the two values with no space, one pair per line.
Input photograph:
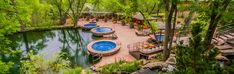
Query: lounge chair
[232,34]
[227,52]
[142,33]
[223,38]
[220,41]
[229,36]
[151,51]
[224,47]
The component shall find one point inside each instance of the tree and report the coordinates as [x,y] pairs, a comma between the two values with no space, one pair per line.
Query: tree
[8,24]
[62,9]
[169,13]
[75,6]
[22,12]
[217,7]
[195,58]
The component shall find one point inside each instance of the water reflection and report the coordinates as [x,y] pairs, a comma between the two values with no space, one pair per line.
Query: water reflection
[72,44]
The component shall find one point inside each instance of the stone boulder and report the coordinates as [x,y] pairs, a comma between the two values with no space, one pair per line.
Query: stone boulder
[171,60]
[155,65]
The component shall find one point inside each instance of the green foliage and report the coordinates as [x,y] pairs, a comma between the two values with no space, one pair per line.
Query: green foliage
[4,67]
[77,70]
[121,67]
[229,69]
[131,25]
[38,64]
[154,27]
[139,27]
[196,58]
[159,56]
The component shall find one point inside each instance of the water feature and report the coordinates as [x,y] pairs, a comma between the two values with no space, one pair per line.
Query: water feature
[103,29]
[90,25]
[160,37]
[70,41]
[103,46]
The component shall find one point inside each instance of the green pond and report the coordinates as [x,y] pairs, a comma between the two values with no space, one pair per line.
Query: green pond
[72,42]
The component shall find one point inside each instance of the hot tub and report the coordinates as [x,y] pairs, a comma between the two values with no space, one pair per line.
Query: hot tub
[100,31]
[160,37]
[103,47]
[89,26]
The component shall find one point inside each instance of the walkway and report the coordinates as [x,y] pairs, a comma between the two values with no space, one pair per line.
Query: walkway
[125,36]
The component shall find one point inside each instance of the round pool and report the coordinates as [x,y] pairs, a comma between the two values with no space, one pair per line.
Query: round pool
[103,29]
[160,37]
[90,26]
[100,31]
[103,47]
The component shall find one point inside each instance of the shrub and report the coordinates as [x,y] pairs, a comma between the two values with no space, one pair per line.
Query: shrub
[38,65]
[121,67]
[4,67]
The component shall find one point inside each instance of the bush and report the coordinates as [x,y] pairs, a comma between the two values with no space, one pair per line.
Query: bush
[38,65]
[121,67]
[4,67]
[77,70]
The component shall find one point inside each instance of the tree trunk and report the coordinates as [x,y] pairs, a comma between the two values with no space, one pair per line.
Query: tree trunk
[214,19]
[173,29]
[166,51]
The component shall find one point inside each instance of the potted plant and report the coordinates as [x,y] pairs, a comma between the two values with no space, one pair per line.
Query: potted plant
[87,18]
[97,18]
[131,25]
[123,22]
[139,27]
[105,19]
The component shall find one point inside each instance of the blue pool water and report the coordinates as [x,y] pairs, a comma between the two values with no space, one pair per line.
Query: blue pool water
[103,29]
[103,46]
[90,25]
[160,37]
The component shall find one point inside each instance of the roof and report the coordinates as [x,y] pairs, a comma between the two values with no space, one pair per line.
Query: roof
[138,16]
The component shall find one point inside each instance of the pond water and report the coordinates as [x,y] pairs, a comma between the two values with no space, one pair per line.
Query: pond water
[48,43]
